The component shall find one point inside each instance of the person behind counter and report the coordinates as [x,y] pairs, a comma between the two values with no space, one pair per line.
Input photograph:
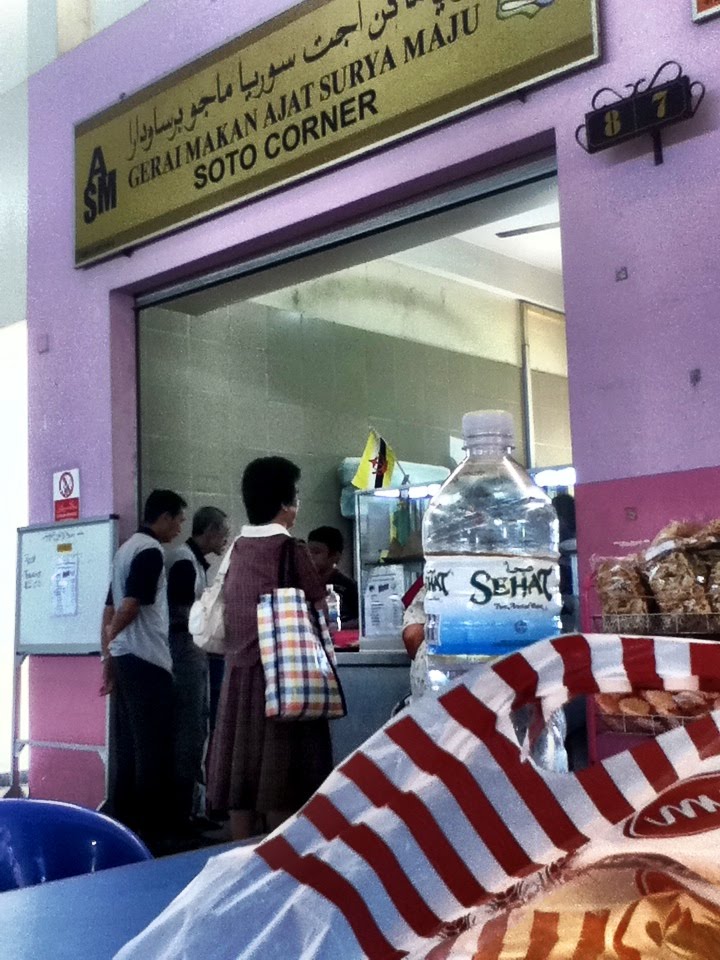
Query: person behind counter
[326,545]
[262,770]
[413,636]
[564,505]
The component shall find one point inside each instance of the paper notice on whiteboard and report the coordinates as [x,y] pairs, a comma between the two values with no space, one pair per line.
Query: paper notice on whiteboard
[65,587]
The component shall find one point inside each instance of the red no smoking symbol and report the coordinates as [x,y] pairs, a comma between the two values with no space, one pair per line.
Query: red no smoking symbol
[66,485]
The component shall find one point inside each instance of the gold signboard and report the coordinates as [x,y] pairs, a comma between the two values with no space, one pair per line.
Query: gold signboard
[324,81]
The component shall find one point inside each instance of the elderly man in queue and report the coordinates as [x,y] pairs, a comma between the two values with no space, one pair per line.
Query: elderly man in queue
[187,568]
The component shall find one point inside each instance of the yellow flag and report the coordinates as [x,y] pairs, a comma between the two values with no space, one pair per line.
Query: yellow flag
[376,464]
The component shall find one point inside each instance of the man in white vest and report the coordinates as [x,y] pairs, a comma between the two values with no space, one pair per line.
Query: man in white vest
[187,578]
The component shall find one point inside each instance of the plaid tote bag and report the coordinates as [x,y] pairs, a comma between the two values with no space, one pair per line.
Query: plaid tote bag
[297,654]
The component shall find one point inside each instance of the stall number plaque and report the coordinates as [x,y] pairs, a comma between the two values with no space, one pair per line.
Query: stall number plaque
[639,113]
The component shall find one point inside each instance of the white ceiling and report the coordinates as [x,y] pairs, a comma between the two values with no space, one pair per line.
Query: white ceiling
[526,267]
[539,249]
[460,245]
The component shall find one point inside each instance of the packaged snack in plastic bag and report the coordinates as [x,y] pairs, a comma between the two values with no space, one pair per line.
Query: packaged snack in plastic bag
[623,591]
[709,542]
[442,822]
[671,588]
[676,571]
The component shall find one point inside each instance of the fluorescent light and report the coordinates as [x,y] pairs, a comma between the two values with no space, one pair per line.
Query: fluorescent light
[413,493]
[556,477]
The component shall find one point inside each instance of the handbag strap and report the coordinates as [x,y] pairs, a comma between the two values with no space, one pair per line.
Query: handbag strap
[225,564]
[287,566]
[288,577]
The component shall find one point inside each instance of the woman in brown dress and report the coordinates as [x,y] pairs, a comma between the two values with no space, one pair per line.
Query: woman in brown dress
[262,770]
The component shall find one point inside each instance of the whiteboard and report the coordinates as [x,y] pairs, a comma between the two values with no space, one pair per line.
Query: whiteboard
[63,575]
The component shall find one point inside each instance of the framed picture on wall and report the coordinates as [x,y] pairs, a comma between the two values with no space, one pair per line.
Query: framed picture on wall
[702,9]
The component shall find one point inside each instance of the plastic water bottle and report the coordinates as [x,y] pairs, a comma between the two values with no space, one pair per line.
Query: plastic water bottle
[333,608]
[490,538]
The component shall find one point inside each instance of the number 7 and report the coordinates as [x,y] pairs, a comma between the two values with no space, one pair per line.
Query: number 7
[660,99]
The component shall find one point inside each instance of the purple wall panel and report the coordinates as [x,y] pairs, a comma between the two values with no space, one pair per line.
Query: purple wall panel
[631,344]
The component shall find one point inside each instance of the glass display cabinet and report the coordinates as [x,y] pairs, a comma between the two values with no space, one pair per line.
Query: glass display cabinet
[388,559]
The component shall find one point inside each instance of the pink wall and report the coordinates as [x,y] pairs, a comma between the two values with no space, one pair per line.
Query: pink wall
[631,344]
[619,517]
[66,709]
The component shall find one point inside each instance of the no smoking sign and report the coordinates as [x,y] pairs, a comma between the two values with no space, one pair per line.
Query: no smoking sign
[66,494]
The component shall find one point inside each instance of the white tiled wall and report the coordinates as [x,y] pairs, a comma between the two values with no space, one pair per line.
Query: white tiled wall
[249,380]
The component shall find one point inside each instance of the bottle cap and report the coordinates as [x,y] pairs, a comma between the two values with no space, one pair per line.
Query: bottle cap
[479,425]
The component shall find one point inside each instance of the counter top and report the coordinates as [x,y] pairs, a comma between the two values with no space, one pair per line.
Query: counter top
[372,658]
[375,682]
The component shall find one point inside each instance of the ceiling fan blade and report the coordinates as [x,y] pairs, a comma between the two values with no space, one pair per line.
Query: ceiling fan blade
[520,231]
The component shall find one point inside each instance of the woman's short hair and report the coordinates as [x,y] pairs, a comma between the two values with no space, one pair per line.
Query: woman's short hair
[268,485]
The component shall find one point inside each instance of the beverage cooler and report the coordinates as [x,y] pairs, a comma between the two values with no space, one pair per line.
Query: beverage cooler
[388,559]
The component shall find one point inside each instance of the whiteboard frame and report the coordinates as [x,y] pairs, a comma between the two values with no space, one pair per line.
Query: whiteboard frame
[63,649]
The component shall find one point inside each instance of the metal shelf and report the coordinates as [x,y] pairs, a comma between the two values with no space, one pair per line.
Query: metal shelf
[698,625]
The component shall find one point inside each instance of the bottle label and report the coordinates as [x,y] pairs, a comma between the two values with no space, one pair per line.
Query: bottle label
[490,604]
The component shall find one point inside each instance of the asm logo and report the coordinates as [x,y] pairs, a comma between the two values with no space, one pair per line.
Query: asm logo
[687,808]
[100,194]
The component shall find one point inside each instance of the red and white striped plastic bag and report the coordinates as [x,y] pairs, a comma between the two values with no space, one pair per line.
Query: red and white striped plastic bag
[441,818]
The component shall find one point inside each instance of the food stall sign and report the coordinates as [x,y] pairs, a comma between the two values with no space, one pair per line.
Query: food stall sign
[325,81]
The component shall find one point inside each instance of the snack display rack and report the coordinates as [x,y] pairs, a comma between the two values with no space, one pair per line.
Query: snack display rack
[698,626]
[617,722]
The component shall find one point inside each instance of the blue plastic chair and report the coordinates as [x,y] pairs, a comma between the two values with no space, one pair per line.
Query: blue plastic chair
[42,840]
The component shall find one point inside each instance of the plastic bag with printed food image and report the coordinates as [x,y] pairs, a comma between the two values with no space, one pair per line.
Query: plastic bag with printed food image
[441,838]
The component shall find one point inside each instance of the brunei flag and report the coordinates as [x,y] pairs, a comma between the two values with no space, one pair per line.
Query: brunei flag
[376,464]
